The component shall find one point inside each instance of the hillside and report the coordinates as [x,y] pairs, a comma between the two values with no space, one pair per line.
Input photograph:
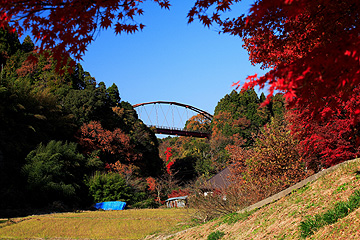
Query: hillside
[281,219]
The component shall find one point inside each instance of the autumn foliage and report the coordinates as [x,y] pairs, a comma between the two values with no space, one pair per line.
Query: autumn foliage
[68,27]
[169,162]
[178,193]
[198,123]
[273,164]
[311,51]
[333,138]
[127,171]
[311,48]
[94,137]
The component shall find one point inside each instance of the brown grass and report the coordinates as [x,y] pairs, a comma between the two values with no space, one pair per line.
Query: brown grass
[281,219]
[128,224]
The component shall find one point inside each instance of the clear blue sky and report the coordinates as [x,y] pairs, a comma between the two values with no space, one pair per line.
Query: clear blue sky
[169,60]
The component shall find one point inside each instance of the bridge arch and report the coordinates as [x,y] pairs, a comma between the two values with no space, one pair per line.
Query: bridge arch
[172,130]
[202,112]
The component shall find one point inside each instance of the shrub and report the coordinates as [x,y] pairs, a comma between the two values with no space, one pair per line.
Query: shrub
[109,187]
[219,202]
[148,203]
[215,235]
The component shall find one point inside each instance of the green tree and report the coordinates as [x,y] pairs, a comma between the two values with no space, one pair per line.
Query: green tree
[9,44]
[245,117]
[114,95]
[244,114]
[27,45]
[55,172]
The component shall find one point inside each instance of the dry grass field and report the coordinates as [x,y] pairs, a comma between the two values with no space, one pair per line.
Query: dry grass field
[127,224]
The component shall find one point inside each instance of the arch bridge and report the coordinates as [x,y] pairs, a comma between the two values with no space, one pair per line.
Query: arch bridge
[170,117]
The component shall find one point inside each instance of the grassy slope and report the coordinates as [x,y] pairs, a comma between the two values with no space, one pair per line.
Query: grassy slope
[281,219]
[128,224]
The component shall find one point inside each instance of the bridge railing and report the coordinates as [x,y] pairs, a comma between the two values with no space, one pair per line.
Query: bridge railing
[180,132]
[175,129]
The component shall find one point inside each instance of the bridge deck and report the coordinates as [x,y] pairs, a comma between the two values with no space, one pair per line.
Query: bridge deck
[179,132]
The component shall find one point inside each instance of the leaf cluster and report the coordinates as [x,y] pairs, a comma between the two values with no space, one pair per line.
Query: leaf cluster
[67,28]
[333,137]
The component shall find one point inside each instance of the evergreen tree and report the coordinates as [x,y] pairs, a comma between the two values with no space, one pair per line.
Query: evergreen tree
[27,45]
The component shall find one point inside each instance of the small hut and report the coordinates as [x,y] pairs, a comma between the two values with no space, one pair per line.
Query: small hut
[176,202]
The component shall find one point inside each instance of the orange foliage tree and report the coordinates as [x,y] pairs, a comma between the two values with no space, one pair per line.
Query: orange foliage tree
[273,163]
[198,123]
[94,137]
[127,171]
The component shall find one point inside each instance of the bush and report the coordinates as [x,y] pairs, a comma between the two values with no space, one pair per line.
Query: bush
[105,187]
[220,202]
[215,235]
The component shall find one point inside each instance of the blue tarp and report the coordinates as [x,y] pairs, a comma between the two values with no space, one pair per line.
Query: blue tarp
[113,205]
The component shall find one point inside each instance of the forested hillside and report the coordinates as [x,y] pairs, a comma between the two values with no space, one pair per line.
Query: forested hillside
[61,133]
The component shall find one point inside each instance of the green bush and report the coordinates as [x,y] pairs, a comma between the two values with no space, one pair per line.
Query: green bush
[109,187]
[215,235]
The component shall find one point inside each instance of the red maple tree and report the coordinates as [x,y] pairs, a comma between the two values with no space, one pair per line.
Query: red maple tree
[68,27]
[169,162]
[312,47]
[334,137]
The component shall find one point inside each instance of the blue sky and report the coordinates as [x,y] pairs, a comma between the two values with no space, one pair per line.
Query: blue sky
[170,60]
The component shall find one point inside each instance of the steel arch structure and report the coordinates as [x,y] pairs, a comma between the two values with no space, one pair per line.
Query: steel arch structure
[177,131]
[204,113]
